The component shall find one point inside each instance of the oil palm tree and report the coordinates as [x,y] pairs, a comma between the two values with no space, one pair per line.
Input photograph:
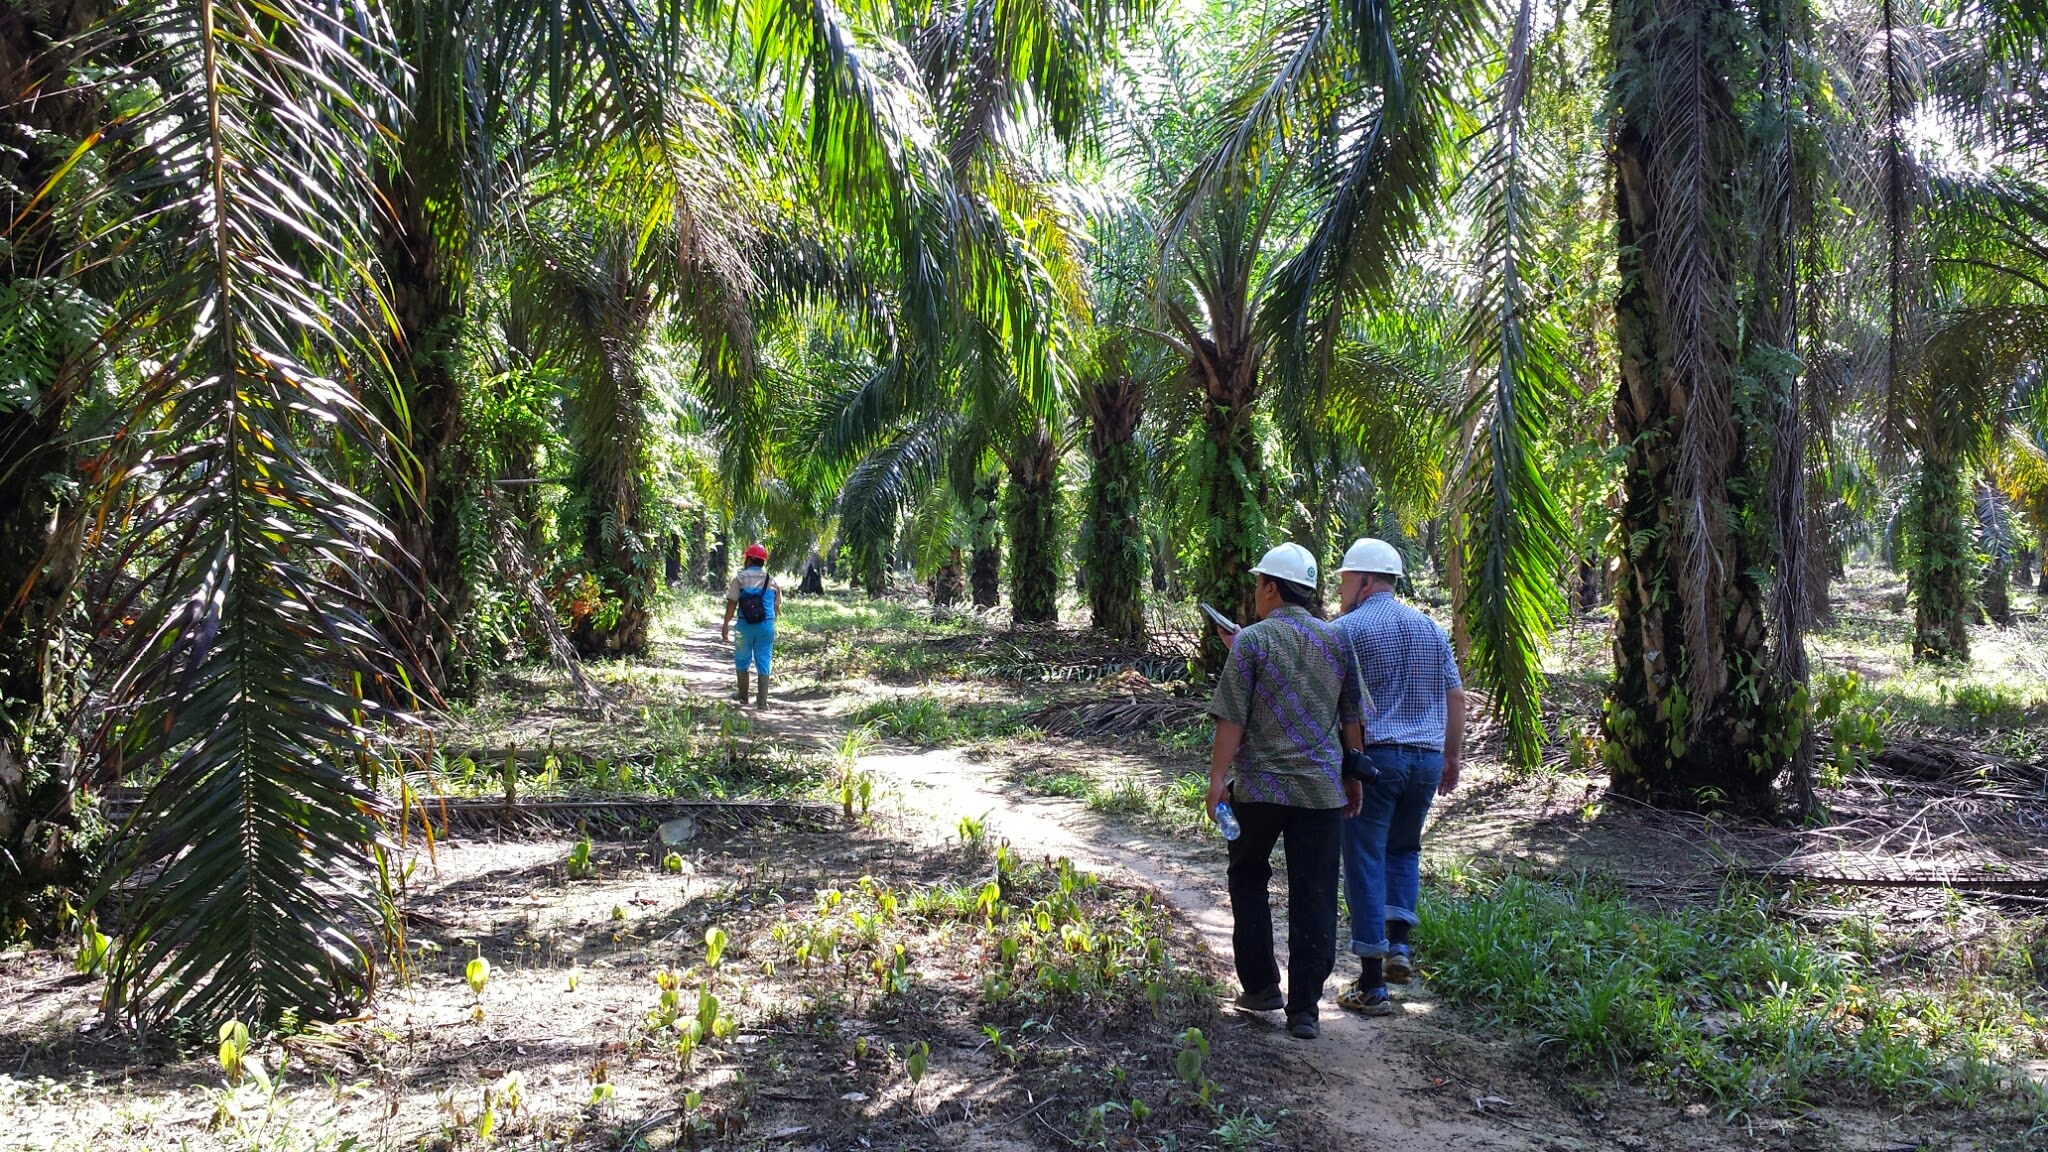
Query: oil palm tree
[1951,413]
[546,79]
[654,239]
[1342,123]
[1691,718]
[1224,352]
[1112,547]
[1031,520]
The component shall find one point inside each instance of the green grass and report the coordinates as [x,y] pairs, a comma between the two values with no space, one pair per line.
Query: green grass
[1174,806]
[1057,939]
[931,722]
[1072,785]
[884,639]
[1725,1002]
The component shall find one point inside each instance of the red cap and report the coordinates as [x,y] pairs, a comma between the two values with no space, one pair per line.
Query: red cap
[756,552]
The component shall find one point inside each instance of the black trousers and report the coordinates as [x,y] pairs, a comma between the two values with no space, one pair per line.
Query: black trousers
[1314,839]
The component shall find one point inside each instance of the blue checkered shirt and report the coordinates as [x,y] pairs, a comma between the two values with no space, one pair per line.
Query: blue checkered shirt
[1408,667]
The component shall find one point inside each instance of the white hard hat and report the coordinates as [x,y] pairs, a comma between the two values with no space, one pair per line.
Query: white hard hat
[1289,562]
[1370,555]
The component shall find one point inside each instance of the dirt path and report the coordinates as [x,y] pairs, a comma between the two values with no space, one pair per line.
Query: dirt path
[1409,1082]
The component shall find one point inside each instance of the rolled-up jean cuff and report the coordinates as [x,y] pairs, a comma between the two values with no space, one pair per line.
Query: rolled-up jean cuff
[1366,951]
[1403,915]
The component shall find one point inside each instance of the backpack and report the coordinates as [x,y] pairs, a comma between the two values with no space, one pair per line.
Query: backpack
[754,604]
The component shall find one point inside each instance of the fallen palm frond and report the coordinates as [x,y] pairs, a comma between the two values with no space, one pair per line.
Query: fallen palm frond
[1943,760]
[446,816]
[631,816]
[1138,707]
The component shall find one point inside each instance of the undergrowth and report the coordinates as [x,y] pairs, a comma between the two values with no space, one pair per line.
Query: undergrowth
[931,722]
[1046,937]
[699,751]
[1722,1002]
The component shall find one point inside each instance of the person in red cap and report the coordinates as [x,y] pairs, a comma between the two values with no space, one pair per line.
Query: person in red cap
[752,596]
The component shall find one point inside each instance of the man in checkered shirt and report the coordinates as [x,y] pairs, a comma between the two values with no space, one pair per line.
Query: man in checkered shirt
[1414,723]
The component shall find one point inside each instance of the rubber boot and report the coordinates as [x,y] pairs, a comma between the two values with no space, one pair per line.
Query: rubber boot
[761,692]
[742,697]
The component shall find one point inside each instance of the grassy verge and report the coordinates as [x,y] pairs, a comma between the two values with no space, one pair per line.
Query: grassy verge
[1730,1004]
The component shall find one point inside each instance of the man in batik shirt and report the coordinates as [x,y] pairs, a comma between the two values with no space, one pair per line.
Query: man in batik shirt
[1286,708]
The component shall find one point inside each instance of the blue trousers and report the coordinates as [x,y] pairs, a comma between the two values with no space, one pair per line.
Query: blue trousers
[1383,844]
[752,643]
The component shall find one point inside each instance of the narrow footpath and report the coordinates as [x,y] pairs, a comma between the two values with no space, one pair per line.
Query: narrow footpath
[1399,1084]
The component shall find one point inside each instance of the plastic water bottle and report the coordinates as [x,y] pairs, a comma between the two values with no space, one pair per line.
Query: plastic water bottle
[1227,821]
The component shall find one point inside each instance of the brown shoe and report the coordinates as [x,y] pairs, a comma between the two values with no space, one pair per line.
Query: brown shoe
[1268,1001]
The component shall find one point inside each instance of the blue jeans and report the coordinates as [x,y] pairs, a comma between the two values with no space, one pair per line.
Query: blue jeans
[752,643]
[1383,844]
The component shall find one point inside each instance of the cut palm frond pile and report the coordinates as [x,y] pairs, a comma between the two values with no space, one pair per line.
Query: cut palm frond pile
[1133,706]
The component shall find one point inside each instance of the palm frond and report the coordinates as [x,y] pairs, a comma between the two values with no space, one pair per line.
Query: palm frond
[1514,531]
[240,681]
[887,481]
[1376,172]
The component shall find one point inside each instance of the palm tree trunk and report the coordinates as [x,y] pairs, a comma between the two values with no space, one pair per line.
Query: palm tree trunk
[1997,594]
[697,548]
[1033,514]
[610,464]
[427,302]
[39,561]
[39,532]
[985,559]
[949,583]
[1115,546]
[1994,536]
[1687,723]
[1941,560]
[718,573]
[1232,473]
[1785,195]
[1818,565]
[871,567]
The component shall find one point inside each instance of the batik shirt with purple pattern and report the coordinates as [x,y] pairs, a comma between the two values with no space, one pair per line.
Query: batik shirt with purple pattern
[1291,682]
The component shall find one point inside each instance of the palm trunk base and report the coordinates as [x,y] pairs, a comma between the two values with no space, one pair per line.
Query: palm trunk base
[1941,562]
